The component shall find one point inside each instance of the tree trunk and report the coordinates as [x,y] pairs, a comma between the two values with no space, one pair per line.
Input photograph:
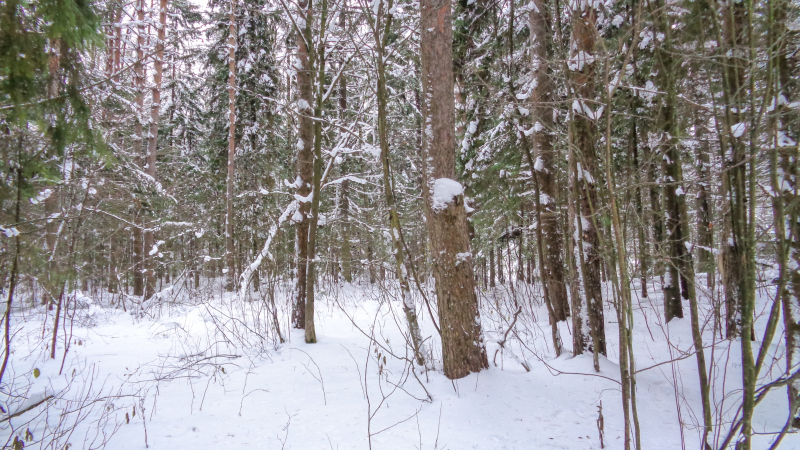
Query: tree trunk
[138,256]
[551,265]
[371,263]
[705,230]
[344,200]
[51,203]
[113,247]
[256,272]
[656,212]
[318,63]
[577,304]
[681,265]
[230,248]
[304,165]
[491,265]
[787,206]
[739,254]
[500,277]
[344,214]
[520,259]
[584,34]
[463,350]
[381,40]
[152,142]
[643,246]
[674,239]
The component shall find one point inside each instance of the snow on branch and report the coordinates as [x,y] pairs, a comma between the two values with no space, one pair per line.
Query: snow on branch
[273,230]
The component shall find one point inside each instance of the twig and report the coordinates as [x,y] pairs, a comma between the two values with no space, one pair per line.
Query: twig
[24,410]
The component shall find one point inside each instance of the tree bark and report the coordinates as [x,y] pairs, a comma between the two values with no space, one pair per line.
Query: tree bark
[544,168]
[230,248]
[138,256]
[787,207]
[674,198]
[51,203]
[500,262]
[318,63]
[305,164]
[344,215]
[705,230]
[381,35]
[491,265]
[463,350]
[584,34]
[739,254]
[152,142]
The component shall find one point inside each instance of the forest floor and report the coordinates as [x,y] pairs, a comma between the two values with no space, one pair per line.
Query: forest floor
[189,380]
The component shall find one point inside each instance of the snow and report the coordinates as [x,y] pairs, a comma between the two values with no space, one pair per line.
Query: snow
[297,217]
[544,199]
[538,165]
[463,257]
[301,199]
[372,150]
[581,59]
[352,178]
[42,196]
[646,37]
[443,192]
[738,129]
[585,224]
[9,232]
[649,92]
[198,375]
[580,107]
[784,140]
[296,184]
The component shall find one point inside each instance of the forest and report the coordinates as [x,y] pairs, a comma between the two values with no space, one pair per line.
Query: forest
[397,224]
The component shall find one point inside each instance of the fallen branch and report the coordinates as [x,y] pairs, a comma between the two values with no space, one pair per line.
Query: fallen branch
[26,409]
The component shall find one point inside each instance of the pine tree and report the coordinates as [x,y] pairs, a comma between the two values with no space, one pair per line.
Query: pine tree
[462,345]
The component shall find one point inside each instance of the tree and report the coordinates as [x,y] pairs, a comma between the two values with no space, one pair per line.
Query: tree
[544,167]
[138,255]
[305,159]
[584,115]
[152,141]
[230,259]
[463,350]
[381,29]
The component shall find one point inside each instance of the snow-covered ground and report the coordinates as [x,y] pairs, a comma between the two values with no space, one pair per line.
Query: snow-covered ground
[206,375]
